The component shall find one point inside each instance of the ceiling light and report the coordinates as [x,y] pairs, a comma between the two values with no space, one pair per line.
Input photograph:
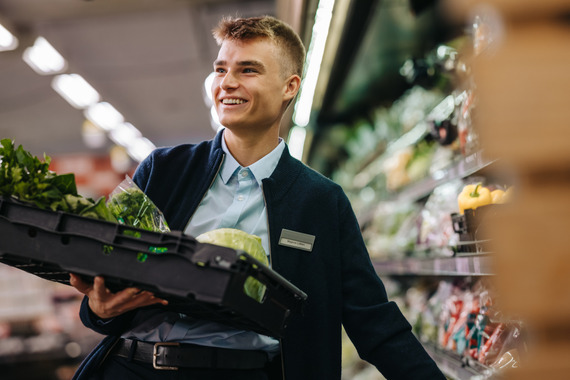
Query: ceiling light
[296,141]
[208,89]
[314,58]
[43,58]
[140,149]
[7,40]
[120,160]
[214,119]
[93,136]
[125,134]
[76,90]
[104,115]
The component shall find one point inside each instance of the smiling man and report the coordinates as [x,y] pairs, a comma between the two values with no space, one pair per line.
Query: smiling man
[251,90]
[246,179]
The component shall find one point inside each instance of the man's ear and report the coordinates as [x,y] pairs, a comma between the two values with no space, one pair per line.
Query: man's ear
[293,84]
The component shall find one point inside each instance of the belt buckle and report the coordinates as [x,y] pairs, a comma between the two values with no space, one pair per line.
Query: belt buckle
[155,355]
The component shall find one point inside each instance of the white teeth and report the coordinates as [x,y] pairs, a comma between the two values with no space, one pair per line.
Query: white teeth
[233,101]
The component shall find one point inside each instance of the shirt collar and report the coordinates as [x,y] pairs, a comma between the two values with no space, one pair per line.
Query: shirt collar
[261,169]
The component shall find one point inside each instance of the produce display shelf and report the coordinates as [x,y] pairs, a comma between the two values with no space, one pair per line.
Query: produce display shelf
[459,265]
[372,166]
[457,367]
[462,168]
[201,280]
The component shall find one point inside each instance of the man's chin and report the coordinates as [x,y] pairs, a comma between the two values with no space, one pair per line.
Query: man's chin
[241,128]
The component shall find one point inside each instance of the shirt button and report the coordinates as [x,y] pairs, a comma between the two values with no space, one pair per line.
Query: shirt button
[240,198]
[244,173]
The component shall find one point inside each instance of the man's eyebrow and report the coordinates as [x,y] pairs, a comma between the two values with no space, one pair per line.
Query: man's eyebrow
[255,64]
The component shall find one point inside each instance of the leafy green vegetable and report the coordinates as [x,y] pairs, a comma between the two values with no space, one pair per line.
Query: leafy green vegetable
[237,239]
[28,179]
[132,207]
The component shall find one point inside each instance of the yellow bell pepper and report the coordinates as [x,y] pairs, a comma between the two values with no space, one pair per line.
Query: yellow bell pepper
[507,197]
[473,196]
[498,196]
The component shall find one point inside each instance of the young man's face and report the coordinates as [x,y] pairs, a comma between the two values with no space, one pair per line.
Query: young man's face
[249,88]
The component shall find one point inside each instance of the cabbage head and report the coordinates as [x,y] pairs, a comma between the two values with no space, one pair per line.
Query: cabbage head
[237,239]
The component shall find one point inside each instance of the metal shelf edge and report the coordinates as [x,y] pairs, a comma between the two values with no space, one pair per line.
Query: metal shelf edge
[475,265]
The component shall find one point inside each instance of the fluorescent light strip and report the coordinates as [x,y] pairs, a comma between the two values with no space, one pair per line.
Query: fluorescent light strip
[208,98]
[125,134]
[140,148]
[76,90]
[43,58]
[314,58]
[7,40]
[296,141]
[214,119]
[104,115]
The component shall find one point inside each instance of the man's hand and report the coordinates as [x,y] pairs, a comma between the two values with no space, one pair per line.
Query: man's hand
[106,304]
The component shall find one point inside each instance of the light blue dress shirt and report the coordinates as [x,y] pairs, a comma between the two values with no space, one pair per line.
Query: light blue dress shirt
[235,200]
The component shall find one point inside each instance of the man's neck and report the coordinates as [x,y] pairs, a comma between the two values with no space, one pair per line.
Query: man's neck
[249,149]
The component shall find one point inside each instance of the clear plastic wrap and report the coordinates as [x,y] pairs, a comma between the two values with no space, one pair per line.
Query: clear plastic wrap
[436,229]
[132,207]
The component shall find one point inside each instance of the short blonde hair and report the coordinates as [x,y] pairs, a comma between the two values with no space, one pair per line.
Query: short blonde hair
[285,38]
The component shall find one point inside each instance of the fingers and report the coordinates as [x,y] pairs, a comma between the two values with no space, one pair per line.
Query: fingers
[79,284]
[133,298]
[106,304]
[99,287]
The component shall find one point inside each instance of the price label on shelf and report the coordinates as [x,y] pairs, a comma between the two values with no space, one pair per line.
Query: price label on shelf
[477,266]
[462,265]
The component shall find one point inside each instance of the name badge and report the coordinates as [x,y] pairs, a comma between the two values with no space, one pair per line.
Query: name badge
[297,240]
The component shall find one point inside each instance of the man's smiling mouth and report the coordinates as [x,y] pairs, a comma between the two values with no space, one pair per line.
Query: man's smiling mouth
[233,101]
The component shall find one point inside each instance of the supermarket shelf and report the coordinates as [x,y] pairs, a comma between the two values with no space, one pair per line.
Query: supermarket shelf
[383,150]
[460,169]
[460,265]
[457,367]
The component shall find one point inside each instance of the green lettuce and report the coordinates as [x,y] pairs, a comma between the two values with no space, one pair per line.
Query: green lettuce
[237,239]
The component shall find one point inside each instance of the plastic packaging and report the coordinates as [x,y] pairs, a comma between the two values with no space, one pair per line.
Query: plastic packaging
[132,207]
[436,229]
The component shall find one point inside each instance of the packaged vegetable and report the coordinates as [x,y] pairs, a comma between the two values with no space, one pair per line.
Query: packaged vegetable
[237,239]
[436,228]
[132,207]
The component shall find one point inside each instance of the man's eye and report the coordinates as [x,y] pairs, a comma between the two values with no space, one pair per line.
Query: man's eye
[220,70]
[248,70]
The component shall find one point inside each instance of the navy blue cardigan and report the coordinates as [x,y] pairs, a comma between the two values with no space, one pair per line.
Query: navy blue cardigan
[338,276]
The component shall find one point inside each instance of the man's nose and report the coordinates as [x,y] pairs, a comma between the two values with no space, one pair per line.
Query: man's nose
[228,81]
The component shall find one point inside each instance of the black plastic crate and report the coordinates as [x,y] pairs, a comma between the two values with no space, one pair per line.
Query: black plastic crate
[201,280]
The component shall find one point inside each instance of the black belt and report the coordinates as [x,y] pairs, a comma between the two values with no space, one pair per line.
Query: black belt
[172,355]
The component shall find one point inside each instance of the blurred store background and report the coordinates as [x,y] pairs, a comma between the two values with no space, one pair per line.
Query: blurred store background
[404,103]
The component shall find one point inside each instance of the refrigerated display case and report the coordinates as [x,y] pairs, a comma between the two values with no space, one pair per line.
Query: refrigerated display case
[403,154]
